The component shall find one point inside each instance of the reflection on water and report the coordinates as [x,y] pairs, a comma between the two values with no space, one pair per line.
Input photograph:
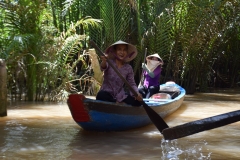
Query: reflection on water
[47,131]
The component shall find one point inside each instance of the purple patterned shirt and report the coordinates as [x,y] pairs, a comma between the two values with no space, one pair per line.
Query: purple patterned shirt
[113,84]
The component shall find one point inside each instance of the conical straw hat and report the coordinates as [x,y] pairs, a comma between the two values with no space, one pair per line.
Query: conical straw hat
[132,50]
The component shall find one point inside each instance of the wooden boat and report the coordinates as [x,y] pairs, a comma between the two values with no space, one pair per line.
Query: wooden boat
[96,115]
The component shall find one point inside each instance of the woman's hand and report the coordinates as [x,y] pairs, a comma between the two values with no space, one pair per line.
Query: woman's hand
[139,97]
[103,58]
[104,61]
[144,66]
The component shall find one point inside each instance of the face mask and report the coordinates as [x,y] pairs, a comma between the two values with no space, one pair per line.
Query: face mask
[153,62]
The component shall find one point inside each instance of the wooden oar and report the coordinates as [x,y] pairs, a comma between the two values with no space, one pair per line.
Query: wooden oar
[201,125]
[142,76]
[155,118]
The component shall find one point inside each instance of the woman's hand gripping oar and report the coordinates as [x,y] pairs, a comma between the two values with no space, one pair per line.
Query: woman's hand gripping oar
[155,118]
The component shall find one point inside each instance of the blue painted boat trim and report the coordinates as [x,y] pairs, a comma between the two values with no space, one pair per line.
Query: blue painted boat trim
[114,122]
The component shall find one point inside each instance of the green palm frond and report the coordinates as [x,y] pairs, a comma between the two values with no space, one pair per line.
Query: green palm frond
[157,39]
[85,23]
[71,46]
[116,18]
[155,29]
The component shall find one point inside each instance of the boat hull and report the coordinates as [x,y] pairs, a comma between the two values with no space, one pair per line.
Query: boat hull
[98,115]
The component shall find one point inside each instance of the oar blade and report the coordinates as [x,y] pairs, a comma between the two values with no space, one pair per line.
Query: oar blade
[201,125]
[155,118]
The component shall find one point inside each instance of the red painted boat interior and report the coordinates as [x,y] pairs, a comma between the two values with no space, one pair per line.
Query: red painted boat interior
[76,106]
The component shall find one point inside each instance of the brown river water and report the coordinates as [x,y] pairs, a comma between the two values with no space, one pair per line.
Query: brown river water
[46,131]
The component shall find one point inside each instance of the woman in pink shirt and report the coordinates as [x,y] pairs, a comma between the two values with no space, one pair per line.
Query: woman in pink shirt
[152,72]
[112,89]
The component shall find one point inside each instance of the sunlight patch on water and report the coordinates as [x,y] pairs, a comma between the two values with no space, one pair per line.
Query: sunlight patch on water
[173,150]
[152,134]
[31,149]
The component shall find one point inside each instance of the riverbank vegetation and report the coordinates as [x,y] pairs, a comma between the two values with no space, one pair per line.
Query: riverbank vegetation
[48,55]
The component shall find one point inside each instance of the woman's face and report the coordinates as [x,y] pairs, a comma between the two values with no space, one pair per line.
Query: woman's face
[121,51]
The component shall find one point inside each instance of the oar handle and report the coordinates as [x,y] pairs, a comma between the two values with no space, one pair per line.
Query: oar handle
[145,55]
[142,78]
[115,69]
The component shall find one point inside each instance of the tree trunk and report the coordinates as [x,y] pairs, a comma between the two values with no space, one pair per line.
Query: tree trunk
[31,79]
[3,88]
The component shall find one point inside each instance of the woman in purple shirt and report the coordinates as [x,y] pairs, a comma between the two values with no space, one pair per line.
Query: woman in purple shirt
[152,72]
[112,89]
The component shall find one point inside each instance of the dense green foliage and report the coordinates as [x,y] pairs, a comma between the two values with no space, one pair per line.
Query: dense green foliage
[45,43]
